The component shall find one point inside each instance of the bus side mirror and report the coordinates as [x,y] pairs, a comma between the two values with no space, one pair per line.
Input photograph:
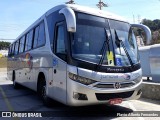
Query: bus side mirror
[146,30]
[70,18]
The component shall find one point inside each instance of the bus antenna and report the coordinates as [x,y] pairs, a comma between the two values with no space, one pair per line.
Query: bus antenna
[70,2]
[101,4]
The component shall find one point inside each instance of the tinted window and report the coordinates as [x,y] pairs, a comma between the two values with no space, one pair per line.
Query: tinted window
[85,19]
[13,48]
[52,19]
[29,37]
[51,24]
[60,40]
[30,40]
[90,17]
[16,47]
[41,35]
[36,37]
[9,51]
[117,25]
[126,52]
[22,41]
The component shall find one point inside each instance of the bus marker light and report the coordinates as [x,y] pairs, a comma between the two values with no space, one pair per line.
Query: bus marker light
[115,101]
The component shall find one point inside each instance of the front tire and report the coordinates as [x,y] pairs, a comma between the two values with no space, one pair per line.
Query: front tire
[43,94]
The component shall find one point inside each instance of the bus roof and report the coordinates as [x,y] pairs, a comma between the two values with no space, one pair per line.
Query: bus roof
[79,8]
[88,10]
[96,12]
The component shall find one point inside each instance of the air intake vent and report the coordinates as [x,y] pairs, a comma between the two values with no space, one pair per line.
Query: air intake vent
[107,96]
[111,85]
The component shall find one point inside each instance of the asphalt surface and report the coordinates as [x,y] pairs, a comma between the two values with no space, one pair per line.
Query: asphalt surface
[26,100]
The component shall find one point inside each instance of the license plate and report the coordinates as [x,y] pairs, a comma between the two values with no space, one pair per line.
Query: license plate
[115,101]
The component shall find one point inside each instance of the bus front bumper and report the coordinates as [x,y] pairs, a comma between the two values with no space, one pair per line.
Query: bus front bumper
[82,95]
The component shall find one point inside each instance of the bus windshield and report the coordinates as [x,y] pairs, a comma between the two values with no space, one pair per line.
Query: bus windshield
[92,32]
[128,42]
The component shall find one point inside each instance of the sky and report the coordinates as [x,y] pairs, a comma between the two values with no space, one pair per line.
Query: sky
[17,15]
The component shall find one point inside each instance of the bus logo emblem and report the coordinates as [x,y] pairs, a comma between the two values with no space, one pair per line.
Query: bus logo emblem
[117,85]
[126,77]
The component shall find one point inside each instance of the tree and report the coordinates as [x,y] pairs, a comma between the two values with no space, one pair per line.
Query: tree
[155,28]
[4,45]
[153,25]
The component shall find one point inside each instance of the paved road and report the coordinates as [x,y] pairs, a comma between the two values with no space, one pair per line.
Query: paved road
[25,99]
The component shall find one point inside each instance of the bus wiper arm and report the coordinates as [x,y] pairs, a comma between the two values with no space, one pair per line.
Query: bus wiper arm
[107,40]
[118,42]
[103,50]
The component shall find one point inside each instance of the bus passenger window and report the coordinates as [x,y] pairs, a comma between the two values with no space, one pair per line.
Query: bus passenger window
[16,47]
[21,46]
[29,37]
[13,48]
[41,35]
[60,40]
[36,37]
[9,51]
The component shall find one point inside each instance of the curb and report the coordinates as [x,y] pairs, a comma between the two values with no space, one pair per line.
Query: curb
[151,90]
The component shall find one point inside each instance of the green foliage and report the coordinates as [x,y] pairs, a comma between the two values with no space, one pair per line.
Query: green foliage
[4,45]
[153,25]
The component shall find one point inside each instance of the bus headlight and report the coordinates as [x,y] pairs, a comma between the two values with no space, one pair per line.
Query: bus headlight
[83,80]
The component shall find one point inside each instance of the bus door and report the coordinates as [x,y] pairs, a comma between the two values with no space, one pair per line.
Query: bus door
[59,63]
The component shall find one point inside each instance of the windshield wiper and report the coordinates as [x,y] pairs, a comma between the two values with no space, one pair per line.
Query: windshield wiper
[118,42]
[103,50]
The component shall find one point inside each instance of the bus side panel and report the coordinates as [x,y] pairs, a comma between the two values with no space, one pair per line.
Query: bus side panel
[32,61]
[41,62]
[57,88]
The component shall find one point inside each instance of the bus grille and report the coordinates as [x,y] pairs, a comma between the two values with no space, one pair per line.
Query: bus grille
[111,85]
[101,85]
[107,96]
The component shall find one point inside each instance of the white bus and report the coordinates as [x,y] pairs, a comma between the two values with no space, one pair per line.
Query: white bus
[78,56]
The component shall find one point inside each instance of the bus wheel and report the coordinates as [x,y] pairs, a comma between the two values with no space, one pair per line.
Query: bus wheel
[15,84]
[42,93]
